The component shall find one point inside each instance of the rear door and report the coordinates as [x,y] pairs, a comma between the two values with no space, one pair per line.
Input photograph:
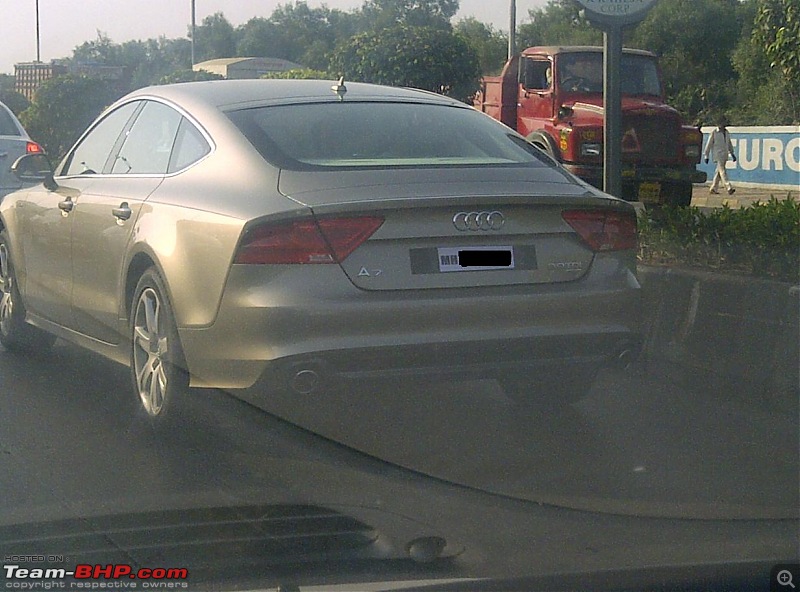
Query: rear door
[106,215]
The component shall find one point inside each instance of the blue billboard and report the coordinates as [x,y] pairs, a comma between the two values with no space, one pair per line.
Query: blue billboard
[766,156]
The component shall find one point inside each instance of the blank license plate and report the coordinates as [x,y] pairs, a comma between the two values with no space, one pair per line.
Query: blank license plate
[475,258]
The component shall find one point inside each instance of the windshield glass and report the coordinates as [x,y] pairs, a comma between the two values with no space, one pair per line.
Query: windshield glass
[583,73]
[365,134]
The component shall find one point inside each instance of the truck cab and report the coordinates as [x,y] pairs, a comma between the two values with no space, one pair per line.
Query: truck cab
[554,97]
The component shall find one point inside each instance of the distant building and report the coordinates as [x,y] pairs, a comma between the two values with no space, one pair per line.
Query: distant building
[238,68]
[29,76]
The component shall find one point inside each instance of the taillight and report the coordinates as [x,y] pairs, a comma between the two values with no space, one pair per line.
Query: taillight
[604,230]
[330,240]
[33,148]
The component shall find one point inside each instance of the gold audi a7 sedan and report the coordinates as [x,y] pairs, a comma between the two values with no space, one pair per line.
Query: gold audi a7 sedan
[279,239]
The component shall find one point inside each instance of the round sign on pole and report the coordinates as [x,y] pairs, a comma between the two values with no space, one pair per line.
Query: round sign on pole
[616,13]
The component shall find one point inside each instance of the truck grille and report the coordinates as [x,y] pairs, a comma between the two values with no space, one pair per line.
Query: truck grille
[648,138]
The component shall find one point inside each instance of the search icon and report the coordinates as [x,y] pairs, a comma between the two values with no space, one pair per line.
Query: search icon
[784,578]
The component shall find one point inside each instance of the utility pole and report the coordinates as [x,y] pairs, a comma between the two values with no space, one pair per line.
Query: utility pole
[512,30]
[612,118]
[194,30]
[38,45]
[612,18]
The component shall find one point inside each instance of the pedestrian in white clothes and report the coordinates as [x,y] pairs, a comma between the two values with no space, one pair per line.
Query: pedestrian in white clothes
[719,146]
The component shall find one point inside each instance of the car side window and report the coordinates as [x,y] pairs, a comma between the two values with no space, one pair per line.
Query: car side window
[190,146]
[7,125]
[148,145]
[91,155]
[537,74]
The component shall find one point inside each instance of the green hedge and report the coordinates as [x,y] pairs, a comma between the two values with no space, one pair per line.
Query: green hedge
[762,239]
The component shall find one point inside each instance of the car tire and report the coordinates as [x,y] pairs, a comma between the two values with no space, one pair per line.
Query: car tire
[548,392]
[16,334]
[160,380]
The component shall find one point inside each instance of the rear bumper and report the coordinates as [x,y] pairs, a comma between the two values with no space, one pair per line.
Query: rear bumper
[541,357]
[270,328]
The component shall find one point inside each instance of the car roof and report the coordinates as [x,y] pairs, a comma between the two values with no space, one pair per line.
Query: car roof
[232,94]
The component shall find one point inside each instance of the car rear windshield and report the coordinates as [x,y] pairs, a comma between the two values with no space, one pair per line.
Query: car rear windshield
[380,134]
[8,126]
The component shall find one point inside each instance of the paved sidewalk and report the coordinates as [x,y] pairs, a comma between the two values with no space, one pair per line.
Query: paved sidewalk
[743,197]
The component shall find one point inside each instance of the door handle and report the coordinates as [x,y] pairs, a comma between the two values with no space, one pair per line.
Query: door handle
[123,212]
[66,205]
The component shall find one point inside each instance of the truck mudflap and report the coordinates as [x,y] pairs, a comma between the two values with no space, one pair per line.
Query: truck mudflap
[651,185]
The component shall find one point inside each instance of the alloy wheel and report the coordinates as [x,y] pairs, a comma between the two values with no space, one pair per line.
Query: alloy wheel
[6,287]
[151,351]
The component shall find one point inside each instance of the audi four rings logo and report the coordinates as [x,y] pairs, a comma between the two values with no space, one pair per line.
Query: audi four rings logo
[464,221]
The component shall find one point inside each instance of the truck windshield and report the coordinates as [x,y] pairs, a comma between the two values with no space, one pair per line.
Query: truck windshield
[583,73]
[380,134]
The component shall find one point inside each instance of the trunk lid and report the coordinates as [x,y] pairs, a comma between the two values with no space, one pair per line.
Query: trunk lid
[455,229]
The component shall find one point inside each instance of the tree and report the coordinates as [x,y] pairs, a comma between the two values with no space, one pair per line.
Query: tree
[302,74]
[63,107]
[98,51]
[560,22]
[694,40]
[763,93]
[490,45]
[260,38]
[10,97]
[421,57]
[144,62]
[189,75]
[379,14]
[215,38]
[158,58]
[297,33]
[777,29]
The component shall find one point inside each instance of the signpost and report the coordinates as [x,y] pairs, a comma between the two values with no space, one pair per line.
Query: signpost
[612,16]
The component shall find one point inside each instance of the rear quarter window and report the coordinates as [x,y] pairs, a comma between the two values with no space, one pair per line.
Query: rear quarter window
[8,127]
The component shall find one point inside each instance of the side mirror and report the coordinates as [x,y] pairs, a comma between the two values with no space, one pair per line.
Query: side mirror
[35,168]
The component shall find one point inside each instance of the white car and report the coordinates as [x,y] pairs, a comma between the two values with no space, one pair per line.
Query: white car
[14,142]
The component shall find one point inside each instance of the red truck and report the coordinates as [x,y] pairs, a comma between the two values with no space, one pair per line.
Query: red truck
[554,97]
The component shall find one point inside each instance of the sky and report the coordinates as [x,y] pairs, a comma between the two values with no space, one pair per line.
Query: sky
[65,24]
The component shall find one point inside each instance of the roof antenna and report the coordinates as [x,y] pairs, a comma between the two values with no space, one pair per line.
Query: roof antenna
[340,89]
